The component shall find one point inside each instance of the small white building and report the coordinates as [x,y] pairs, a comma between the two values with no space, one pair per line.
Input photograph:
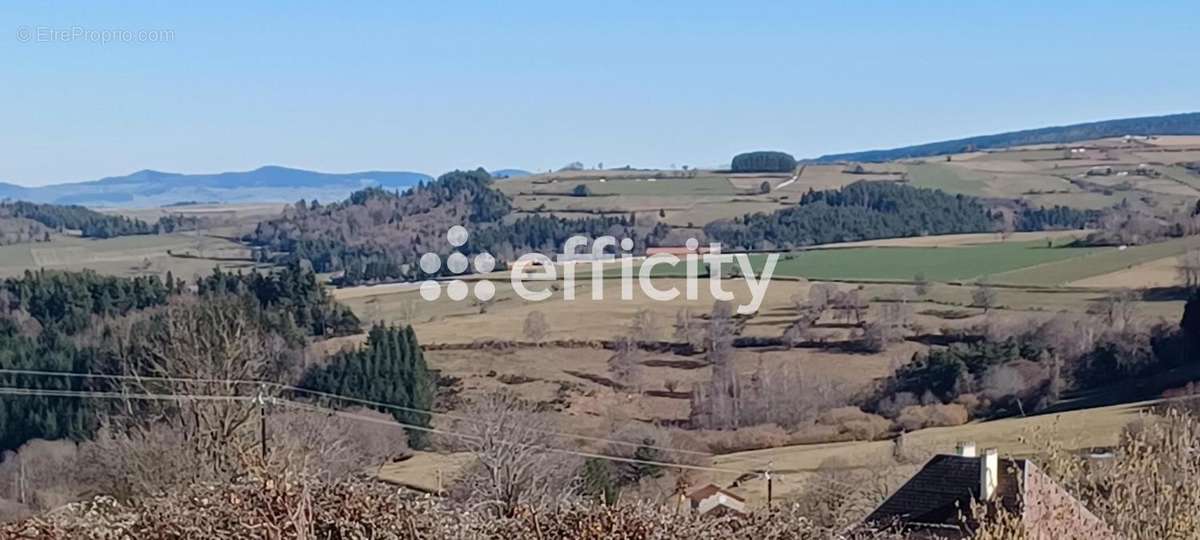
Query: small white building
[712,499]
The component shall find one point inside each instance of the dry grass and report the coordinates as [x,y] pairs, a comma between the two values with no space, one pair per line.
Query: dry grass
[425,471]
[1089,428]
[946,240]
[124,256]
[1159,273]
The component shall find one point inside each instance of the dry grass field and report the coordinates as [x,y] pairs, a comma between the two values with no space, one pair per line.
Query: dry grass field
[575,380]
[1162,272]
[127,255]
[797,465]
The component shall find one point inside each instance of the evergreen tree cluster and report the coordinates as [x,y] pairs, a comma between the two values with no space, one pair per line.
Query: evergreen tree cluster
[289,299]
[546,234]
[860,211]
[93,224]
[67,301]
[1173,124]
[378,235]
[948,372]
[90,223]
[867,210]
[43,417]
[62,304]
[43,313]
[763,162]
[1056,218]
[389,369]
[177,223]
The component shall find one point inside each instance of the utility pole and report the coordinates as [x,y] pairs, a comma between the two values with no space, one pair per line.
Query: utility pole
[262,424]
[21,477]
[770,482]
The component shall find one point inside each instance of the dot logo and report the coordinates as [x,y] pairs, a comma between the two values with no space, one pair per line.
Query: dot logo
[457,263]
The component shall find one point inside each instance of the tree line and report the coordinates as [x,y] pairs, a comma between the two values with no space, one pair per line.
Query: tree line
[390,368]
[763,162]
[377,235]
[82,322]
[90,223]
[868,210]
[291,299]
[1174,124]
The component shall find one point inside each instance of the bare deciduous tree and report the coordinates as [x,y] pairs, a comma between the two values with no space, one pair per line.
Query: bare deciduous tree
[644,326]
[820,295]
[983,296]
[535,326]
[716,403]
[1189,269]
[328,446]
[512,467]
[849,305]
[1118,310]
[624,366]
[797,332]
[687,330]
[221,346]
[921,286]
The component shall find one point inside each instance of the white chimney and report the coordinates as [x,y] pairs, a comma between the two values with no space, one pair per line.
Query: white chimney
[965,449]
[989,474]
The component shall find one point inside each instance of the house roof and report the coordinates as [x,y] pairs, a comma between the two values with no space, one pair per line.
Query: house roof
[942,491]
[710,490]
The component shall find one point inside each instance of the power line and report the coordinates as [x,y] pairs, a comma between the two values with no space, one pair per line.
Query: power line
[343,414]
[16,391]
[579,453]
[360,401]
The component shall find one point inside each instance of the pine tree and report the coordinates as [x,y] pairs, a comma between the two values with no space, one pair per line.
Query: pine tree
[389,369]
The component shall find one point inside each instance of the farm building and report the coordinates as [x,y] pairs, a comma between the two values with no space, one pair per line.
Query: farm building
[936,502]
[714,500]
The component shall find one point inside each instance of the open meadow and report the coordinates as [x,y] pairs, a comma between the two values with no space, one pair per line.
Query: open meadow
[183,254]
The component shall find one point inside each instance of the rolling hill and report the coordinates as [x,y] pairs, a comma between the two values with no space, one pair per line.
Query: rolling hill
[1173,124]
[264,184]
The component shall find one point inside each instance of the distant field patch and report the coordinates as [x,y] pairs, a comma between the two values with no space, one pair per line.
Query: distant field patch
[700,185]
[947,177]
[936,263]
[1101,261]
[59,256]
[1160,273]
[126,255]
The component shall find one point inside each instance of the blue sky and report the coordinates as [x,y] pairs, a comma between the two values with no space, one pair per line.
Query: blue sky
[432,86]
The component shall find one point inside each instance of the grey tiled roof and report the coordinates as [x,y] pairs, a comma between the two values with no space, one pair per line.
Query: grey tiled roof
[942,491]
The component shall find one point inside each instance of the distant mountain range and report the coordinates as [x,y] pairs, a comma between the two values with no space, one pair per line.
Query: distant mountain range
[1172,124]
[264,184]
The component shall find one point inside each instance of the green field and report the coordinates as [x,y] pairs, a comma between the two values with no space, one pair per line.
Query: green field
[944,263]
[948,178]
[948,263]
[1103,261]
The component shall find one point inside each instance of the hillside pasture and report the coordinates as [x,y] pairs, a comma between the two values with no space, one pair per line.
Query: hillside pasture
[1096,262]
[796,466]
[127,255]
[1162,272]
[949,263]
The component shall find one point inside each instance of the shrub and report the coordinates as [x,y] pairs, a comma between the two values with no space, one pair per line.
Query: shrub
[917,417]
